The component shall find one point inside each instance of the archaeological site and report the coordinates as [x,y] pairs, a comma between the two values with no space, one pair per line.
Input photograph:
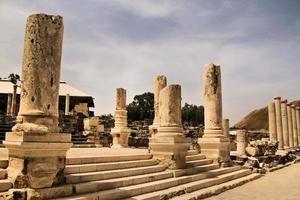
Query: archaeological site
[54,146]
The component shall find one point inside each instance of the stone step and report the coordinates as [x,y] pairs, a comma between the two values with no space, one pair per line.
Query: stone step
[135,190]
[83,146]
[3,174]
[82,142]
[108,158]
[180,190]
[93,176]
[195,163]
[95,186]
[3,164]
[5,185]
[195,170]
[82,168]
[217,189]
[195,157]
[192,152]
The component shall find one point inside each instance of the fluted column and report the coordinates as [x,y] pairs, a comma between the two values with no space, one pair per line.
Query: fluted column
[290,125]
[272,122]
[277,101]
[285,129]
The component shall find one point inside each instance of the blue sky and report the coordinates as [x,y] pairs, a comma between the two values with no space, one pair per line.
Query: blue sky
[126,43]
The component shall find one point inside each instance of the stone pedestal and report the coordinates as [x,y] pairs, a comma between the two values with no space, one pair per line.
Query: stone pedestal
[277,101]
[295,130]
[241,142]
[36,160]
[272,122]
[290,125]
[160,82]
[213,144]
[169,145]
[120,132]
[37,152]
[225,125]
[285,128]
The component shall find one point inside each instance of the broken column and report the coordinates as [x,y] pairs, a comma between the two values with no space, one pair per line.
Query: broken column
[290,125]
[36,149]
[213,144]
[295,130]
[14,101]
[298,123]
[169,145]
[9,104]
[67,104]
[277,101]
[285,128]
[241,142]
[120,132]
[225,126]
[160,82]
[272,122]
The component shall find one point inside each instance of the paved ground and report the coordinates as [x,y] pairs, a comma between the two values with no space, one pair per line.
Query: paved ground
[283,184]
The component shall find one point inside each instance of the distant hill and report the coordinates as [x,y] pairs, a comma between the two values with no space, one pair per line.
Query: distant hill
[257,119]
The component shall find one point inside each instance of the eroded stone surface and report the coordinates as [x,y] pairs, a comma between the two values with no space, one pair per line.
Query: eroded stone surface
[241,142]
[277,101]
[285,128]
[294,122]
[290,125]
[272,121]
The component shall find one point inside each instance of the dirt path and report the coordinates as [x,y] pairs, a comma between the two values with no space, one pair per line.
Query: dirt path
[283,184]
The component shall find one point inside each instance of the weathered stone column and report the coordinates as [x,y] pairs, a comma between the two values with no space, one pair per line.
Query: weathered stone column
[241,142]
[272,122]
[37,152]
[277,101]
[160,82]
[14,101]
[169,145]
[290,125]
[67,104]
[295,130]
[213,144]
[9,104]
[225,126]
[285,128]
[120,132]
[298,123]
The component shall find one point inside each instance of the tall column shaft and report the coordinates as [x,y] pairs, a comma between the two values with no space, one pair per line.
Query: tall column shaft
[298,123]
[9,104]
[160,82]
[290,125]
[285,128]
[277,101]
[241,142]
[14,101]
[272,122]
[225,125]
[295,130]
[67,104]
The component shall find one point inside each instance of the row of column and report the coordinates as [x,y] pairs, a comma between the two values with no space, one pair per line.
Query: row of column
[284,123]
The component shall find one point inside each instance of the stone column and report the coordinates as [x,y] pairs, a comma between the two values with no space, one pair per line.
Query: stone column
[285,128]
[213,144]
[14,101]
[241,142]
[120,132]
[67,104]
[225,125]
[169,145]
[295,130]
[277,101]
[290,125]
[272,122]
[298,123]
[37,152]
[9,104]
[160,82]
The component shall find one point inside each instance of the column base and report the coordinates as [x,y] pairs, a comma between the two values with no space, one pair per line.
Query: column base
[170,150]
[36,160]
[120,137]
[216,149]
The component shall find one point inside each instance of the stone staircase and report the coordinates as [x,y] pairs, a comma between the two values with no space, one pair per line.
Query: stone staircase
[80,141]
[4,183]
[137,177]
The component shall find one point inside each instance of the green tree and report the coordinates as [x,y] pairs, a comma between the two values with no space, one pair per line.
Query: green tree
[192,114]
[141,108]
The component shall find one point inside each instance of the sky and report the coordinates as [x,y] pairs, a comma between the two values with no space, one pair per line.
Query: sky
[126,43]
